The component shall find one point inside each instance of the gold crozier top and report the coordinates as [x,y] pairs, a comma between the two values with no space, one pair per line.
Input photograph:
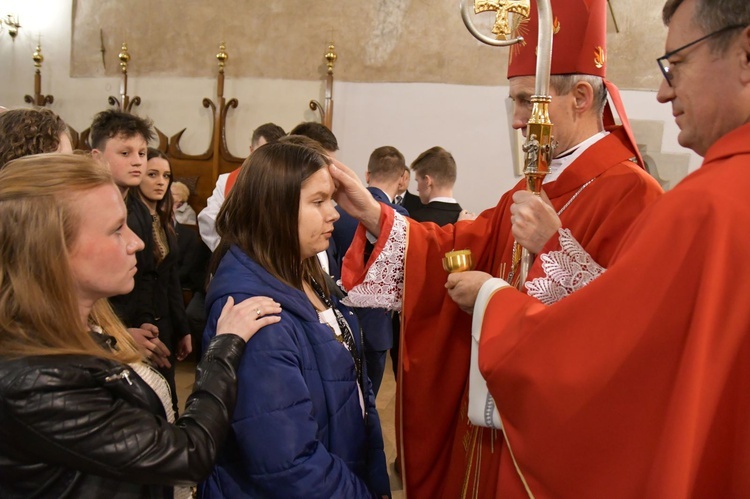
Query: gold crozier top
[502,27]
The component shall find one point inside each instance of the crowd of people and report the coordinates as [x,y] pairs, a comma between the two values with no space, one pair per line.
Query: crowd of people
[614,368]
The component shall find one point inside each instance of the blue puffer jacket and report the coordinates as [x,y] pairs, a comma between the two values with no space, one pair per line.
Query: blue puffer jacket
[298,429]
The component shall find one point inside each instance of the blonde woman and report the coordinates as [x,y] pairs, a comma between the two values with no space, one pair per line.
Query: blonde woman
[77,415]
[183,212]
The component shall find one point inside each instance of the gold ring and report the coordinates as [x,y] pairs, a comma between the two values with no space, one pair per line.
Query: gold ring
[257,311]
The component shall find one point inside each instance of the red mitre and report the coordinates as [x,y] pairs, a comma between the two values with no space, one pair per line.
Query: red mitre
[579,46]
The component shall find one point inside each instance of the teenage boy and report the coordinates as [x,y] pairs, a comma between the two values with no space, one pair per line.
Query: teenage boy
[120,141]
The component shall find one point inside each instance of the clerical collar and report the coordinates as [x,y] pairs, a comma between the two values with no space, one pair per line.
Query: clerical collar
[564,159]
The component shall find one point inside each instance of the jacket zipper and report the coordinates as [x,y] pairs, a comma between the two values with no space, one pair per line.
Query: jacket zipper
[124,374]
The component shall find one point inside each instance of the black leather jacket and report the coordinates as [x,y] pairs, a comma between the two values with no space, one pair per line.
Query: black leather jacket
[80,426]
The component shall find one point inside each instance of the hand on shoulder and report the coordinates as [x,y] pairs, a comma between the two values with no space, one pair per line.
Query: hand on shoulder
[247,317]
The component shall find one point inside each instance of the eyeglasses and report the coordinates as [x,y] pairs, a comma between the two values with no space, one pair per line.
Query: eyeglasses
[664,63]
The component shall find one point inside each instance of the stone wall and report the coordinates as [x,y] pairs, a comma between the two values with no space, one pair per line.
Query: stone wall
[376,40]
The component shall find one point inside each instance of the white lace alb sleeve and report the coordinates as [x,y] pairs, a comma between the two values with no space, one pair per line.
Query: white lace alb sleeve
[207,216]
[383,286]
[565,271]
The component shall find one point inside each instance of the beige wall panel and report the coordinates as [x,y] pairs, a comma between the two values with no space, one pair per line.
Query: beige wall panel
[376,41]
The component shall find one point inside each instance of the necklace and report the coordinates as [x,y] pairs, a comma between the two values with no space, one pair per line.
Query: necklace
[346,337]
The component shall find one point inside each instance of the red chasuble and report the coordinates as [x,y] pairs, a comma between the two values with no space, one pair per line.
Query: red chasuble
[639,384]
[440,449]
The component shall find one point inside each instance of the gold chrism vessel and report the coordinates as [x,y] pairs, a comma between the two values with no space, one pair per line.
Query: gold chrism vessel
[458,261]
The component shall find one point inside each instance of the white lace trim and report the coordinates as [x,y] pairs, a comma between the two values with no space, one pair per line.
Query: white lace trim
[567,270]
[383,286]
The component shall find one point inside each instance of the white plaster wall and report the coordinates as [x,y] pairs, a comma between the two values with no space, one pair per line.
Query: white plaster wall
[469,121]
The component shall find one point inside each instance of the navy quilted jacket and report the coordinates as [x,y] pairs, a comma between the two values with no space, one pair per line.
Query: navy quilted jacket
[297,429]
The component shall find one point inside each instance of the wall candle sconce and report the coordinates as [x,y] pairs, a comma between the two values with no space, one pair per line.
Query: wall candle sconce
[12,22]
[326,111]
[125,103]
[38,99]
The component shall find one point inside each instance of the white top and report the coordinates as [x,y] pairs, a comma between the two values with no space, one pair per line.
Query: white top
[207,216]
[185,214]
[323,259]
[328,317]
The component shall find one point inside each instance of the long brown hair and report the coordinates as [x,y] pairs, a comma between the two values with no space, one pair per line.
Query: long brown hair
[164,205]
[261,213]
[39,312]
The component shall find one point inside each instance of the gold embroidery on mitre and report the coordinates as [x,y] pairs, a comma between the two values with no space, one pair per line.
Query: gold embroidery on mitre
[600,58]
[555,30]
[519,27]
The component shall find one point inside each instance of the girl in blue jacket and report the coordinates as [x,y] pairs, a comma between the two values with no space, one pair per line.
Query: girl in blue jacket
[305,424]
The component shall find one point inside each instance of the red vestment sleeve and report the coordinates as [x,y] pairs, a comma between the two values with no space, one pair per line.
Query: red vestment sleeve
[639,384]
[435,352]
[354,269]
[600,194]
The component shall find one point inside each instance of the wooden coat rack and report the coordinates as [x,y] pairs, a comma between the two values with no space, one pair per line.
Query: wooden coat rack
[199,172]
[326,111]
[38,99]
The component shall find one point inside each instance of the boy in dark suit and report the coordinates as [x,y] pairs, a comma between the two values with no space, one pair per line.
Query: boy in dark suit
[384,172]
[435,172]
